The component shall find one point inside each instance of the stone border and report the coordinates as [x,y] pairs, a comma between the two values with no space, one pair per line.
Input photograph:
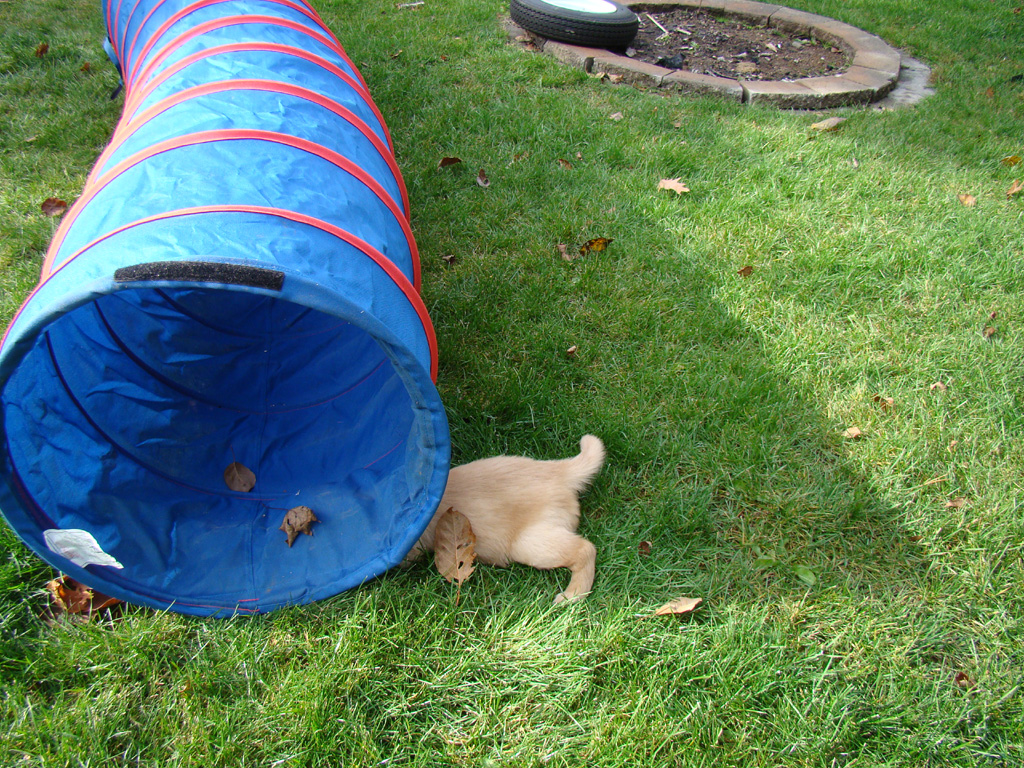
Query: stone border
[874,66]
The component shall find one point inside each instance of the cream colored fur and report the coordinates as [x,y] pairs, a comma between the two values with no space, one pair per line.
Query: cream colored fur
[526,511]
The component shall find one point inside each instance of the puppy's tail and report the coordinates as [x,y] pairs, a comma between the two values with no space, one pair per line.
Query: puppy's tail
[583,467]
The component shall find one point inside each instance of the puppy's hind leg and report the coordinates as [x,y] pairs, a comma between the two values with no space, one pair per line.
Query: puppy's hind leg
[548,546]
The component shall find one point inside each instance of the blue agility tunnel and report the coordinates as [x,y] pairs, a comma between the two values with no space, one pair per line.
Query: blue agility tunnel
[237,285]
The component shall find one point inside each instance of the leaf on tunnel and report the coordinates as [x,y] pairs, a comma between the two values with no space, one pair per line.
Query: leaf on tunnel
[239,477]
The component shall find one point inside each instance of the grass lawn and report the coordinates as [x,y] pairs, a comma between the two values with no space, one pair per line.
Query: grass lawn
[862,597]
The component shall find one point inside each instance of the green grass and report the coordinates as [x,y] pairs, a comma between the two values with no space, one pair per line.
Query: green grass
[722,399]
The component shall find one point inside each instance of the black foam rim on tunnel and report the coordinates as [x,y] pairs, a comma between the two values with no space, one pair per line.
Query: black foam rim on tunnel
[202,272]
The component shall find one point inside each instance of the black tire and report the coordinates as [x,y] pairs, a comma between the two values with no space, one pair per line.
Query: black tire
[608,25]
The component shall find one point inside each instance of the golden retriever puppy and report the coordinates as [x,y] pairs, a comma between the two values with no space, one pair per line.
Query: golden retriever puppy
[525,511]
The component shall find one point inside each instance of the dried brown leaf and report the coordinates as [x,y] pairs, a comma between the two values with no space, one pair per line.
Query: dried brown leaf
[645,548]
[565,163]
[673,185]
[968,200]
[958,503]
[454,546]
[937,386]
[616,116]
[71,597]
[53,206]
[745,271]
[298,520]
[448,161]
[42,49]
[988,332]
[449,259]
[962,681]
[482,180]
[679,606]
[87,67]
[239,477]
[831,124]
[1015,189]
[885,403]
[853,433]
[990,92]
[571,351]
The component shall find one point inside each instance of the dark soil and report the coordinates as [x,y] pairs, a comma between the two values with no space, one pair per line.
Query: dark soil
[726,47]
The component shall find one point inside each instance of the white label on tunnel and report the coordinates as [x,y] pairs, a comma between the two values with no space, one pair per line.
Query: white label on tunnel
[78,546]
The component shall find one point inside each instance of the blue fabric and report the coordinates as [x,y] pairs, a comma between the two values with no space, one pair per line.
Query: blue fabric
[122,401]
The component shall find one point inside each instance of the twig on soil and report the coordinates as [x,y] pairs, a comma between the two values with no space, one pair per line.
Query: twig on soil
[667,33]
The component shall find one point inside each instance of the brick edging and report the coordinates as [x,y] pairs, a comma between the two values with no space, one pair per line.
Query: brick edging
[873,71]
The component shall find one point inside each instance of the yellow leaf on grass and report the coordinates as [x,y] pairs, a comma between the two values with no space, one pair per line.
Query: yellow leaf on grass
[454,546]
[595,245]
[1011,160]
[679,606]
[673,185]
[831,124]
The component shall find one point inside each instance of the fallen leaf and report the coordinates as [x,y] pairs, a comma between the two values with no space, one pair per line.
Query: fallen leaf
[454,546]
[53,206]
[616,116]
[990,92]
[571,350]
[958,503]
[565,164]
[952,445]
[1011,160]
[482,180]
[449,259]
[239,477]
[961,680]
[885,403]
[989,332]
[42,49]
[579,155]
[679,606]
[447,161]
[396,54]
[746,271]
[831,124]
[644,548]
[673,185]
[993,314]
[969,200]
[85,67]
[1015,189]
[938,385]
[677,123]
[71,597]
[853,433]
[564,250]
[854,162]
[805,574]
[595,245]
[298,520]
[615,78]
